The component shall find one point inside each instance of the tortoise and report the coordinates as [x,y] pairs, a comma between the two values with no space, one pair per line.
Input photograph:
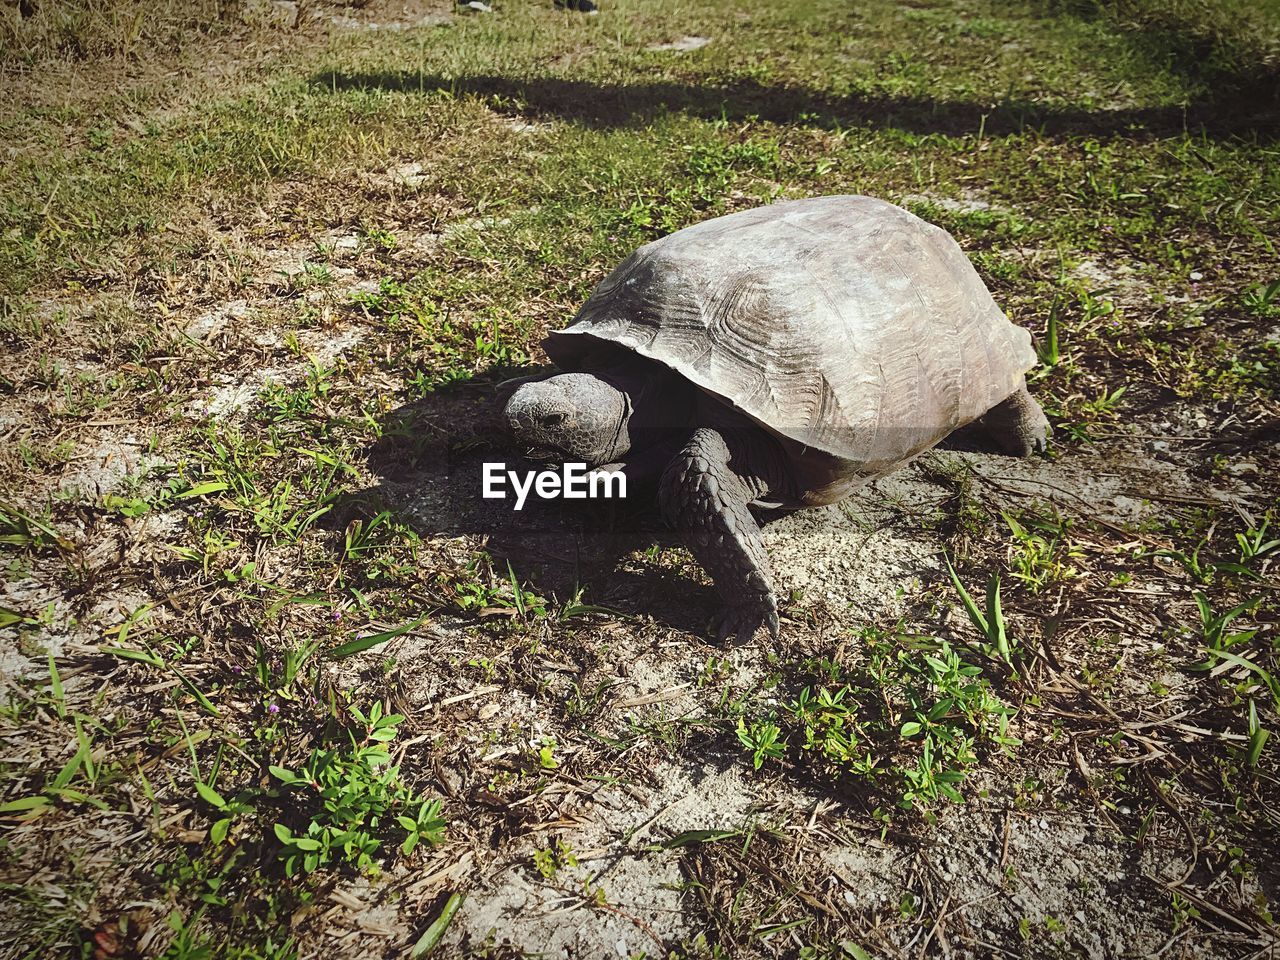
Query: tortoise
[775,359]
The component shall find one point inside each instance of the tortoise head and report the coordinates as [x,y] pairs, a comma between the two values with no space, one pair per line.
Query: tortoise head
[570,417]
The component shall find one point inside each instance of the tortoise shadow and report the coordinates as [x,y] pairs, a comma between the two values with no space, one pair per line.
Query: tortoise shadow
[430,466]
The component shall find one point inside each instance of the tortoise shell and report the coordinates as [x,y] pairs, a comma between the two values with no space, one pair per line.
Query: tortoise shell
[844,324]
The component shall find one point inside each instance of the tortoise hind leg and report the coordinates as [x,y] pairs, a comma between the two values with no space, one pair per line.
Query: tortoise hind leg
[706,501]
[1018,425]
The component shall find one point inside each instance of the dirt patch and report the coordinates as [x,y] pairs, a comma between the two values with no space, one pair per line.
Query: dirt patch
[970,201]
[682,45]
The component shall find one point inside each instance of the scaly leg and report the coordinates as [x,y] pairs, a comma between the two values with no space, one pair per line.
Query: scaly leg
[706,502]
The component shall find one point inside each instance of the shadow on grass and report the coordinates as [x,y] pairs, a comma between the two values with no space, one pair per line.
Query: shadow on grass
[604,105]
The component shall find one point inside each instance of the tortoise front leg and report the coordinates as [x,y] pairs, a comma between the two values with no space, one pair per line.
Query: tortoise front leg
[706,502]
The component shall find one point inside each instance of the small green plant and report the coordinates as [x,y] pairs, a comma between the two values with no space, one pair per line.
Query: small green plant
[228,810]
[546,754]
[1184,911]
[714,670]
[1202,571]
[283,404]
[760,737]
[1262,300]
[1049,350]
[1041,553]
[378,548]
[22,531]
[388,302]
[1257,736]
[1104,405]
[948,705]
[1255,545]
[349,794]
[527,602]
[1213,625]
[991,624]
[829,722]
[912,720]
[473,588]
[311,275]
[550,860]
[1219,644]
[381,239]
[277,676]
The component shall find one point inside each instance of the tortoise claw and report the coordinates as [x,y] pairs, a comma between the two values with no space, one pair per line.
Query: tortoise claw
[744,620]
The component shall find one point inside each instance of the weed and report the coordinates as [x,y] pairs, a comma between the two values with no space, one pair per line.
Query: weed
[228,810]
[1262,300]
[1202,571]
[282,404]
[1213,625]
[1255,546]
[1257,736]
[991,624]
[1041,552]
[546,754]
[1049,350]
[345,797]
[379,548]
[912,722]
[280,682]
[829,723]
[760,738]
[550,860]
[527,603]
[22,531]
[1184,911]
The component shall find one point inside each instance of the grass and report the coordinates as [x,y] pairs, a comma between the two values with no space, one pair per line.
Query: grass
[33,33]
[274,690]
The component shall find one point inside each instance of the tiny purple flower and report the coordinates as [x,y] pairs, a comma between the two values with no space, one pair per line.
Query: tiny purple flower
[273,709]
[237,670]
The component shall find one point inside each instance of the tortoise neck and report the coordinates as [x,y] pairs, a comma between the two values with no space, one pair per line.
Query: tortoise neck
[658,405]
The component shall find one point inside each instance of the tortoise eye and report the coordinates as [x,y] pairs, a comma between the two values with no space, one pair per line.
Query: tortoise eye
[553,419]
